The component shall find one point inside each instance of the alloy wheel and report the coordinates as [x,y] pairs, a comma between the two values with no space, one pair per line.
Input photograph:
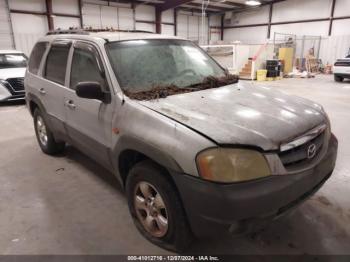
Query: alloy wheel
[41,129]
[150,209]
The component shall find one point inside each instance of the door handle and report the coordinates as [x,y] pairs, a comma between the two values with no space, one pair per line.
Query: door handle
[70,104]
[42,91]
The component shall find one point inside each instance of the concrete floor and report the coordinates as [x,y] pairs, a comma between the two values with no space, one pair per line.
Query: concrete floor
[70,205]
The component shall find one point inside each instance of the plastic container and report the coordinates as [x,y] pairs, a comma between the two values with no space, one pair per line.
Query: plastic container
[261,75]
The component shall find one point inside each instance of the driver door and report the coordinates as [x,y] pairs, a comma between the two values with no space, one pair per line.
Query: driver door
[88,121]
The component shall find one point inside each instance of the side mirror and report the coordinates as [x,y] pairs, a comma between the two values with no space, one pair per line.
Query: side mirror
[90,90]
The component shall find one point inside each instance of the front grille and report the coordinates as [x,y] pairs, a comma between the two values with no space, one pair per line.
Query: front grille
[299,155]
[17,84]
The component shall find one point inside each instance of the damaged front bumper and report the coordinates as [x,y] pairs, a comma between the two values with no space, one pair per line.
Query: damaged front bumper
[214,208]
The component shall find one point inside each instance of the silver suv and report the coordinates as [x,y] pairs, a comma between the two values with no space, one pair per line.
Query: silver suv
[197,152]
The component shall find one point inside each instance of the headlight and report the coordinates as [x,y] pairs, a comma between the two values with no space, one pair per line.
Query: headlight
[4,83]
[231,165]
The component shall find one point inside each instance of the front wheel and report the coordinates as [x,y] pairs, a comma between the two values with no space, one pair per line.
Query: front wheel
[156,208]
[44,135]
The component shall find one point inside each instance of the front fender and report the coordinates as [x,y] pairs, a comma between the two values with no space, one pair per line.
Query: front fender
[158,155]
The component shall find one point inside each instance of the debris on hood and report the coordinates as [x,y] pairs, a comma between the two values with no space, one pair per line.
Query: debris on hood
[164,91]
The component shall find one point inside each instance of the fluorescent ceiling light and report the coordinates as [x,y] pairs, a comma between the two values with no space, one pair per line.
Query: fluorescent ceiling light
[252,2]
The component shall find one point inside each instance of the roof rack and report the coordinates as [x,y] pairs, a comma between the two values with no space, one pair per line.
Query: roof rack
[69,31]
[86,31]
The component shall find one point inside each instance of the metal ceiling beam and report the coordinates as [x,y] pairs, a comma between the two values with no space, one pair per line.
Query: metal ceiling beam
[244,7]
[169,4]
[270,21]
[158,20]
[331,18]
[49,14]
[231,4]
[219,8]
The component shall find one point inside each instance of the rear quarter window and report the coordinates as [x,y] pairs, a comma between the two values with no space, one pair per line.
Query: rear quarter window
[56,63]
[36,56]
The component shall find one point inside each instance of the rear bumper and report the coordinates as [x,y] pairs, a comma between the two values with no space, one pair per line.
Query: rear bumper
[214,208]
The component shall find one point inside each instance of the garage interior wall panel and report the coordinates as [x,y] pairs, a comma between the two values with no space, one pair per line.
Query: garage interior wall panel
[334,47]
[32,5]
[300,29]
[146,27]
[27,30]
[61,22]
[215,33]
[300,10]
[182,25]
[126,21]
[342,8]
[6,40]
[168,16]
[65,7]
[107,3]
[109,17]
[91,16]
[215,20]
[168,30]
[247,35]
[101,17]
[190,27]
[254,16]
[193,28]
[341,27]
[145,12]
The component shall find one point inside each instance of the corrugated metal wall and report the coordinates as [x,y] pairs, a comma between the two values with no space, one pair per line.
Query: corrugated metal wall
[333,48]
[102,16]
[190,26]
[28,28]
[6,38]
[289,11]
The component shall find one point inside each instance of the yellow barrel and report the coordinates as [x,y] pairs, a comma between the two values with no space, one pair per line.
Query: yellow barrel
[261,75]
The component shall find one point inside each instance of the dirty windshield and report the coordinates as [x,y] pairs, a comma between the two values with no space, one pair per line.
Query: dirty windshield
[148,69]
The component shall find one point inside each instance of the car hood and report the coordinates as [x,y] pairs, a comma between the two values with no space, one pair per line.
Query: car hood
[12,72]
[242,114]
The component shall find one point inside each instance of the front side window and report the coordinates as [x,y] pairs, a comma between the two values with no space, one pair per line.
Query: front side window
[56,63]
[142,65]
[36,56]
[12,61]
[85,68]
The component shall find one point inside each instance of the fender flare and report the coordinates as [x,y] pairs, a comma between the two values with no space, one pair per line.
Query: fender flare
[33,98]
[158,155]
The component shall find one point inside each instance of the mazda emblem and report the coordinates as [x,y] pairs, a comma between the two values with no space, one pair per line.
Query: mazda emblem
[311,151]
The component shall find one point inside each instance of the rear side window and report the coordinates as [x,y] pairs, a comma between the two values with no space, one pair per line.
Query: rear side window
[36,56]
[56,63]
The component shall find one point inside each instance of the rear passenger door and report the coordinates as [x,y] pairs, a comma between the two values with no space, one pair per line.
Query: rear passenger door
[51,90]
[89,121]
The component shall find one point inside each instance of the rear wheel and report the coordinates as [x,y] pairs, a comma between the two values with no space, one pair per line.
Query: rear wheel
[338,78]
[156,208]
[44,135]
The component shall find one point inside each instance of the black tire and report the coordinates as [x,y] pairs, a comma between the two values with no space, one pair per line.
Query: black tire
[178,236]
[338,78]
[51,147]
